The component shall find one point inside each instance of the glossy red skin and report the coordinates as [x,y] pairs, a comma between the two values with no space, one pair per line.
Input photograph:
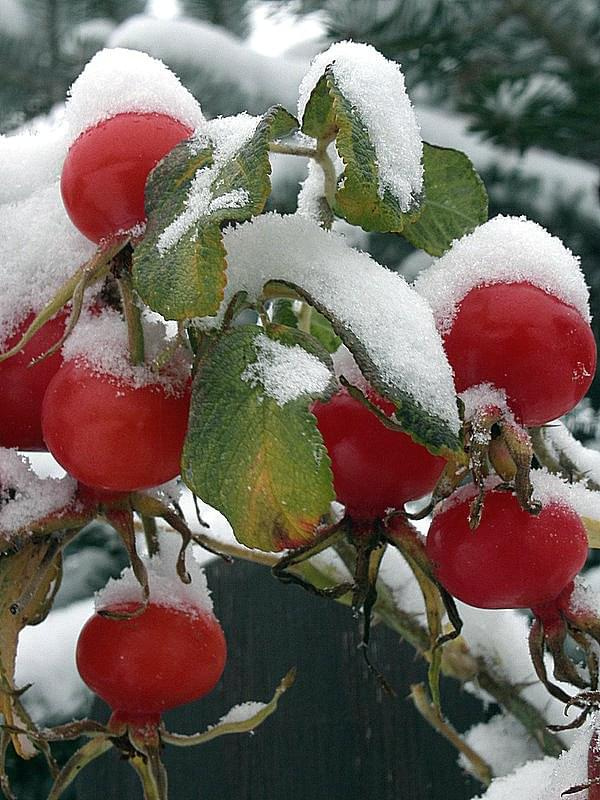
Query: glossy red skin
[513,559]
[529,343]
[374,468]
[22,387]
[110,435]
[105,171]
[147,664]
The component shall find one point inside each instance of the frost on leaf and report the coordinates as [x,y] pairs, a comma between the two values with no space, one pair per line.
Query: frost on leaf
[356,96]
[253,450]
[220,175]
[386,325]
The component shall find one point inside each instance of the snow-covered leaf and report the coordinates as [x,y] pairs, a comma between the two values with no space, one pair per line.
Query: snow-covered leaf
[253,450]
[352,94]
[454,202]
[218,176]
[386,325]
[358,198]
[284,312]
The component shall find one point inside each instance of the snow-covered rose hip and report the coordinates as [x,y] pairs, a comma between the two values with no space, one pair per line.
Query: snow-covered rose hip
[526,341]
[374,468]
[152,662]
[105,171]
[513,559]
[511,303]
[113,425]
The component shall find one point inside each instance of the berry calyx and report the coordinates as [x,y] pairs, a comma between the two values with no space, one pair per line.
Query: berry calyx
[513,559]
[146,664]
[23,384]
[519,338]
[110,434]
[104,174]
[374,468]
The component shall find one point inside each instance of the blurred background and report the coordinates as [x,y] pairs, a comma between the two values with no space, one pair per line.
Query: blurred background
[513,83]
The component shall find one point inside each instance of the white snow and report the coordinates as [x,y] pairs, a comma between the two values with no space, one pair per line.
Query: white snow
[502,250]
[117,80]
[375,88]
[35,497]
[101,341]
[40,249]
[551,488]
[479,397]
[503,743]
[241,713]
[547,778]
[166,588]
[393,322]
[228,136]
[560,440]
[46,659]
[286,373]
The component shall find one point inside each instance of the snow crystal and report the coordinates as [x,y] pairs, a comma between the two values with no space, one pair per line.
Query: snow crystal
[548,487]
[525,783]
[166,588]
[101,340]
[559,440]
[375,88]
[117,80]
[394,323]
[505,249]
[36,258]
[31,159]
[286,373]
[583,597]
[25,497]
[483,395]
[503,742]
[241,713]
[547,778]
[228,136]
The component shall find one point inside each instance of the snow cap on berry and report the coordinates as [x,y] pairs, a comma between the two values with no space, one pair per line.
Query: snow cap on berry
[387,113]
[101,341]
[117,81]
[166,587]
[503,250]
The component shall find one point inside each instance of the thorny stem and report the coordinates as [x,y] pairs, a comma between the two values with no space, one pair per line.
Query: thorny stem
[481,769]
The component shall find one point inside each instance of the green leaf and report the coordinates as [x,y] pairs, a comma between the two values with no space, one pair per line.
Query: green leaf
[262,464]
[329,115]
[455,201]
[283,313]
[179,267]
